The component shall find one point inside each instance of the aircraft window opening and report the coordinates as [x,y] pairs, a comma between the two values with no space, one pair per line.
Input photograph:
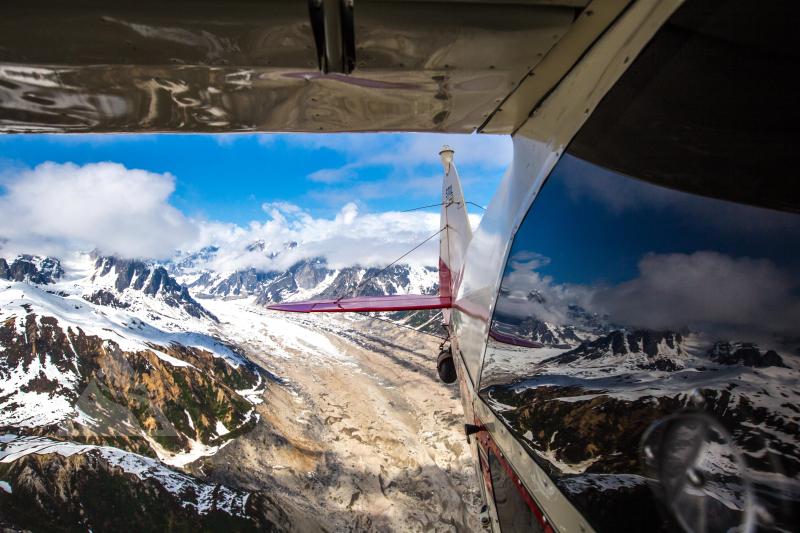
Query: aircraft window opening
[512,511]
[658,264]
[515,508]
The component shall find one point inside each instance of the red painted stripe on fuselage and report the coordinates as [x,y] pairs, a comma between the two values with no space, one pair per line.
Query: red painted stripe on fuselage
[364,304]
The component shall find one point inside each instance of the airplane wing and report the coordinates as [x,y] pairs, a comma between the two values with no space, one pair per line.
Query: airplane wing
[362,304]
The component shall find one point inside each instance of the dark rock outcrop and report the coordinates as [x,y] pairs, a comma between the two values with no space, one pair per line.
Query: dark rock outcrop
[153,281]
[32,269]
[744,353]
[107,298]
[84,491]
[241,283]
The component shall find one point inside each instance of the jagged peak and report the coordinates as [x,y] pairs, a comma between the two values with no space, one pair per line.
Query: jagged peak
[149,278]
[40,270]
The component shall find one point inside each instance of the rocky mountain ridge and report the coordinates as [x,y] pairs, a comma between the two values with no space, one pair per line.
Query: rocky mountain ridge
[305,278]
[33,269]
[116,276]
[115,359]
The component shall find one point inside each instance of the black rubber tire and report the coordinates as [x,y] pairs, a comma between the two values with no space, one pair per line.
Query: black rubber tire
[446,367]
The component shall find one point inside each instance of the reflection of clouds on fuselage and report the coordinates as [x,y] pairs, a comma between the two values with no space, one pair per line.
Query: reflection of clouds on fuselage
[703,291]
[524,292]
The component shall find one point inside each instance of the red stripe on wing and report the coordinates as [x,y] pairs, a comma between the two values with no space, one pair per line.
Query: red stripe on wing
[362,304]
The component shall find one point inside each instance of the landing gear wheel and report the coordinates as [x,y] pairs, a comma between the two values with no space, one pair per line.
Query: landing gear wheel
[446,366]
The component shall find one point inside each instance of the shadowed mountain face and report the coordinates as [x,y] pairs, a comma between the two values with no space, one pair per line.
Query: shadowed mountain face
[41,270]
[239,284]
[90,490]
[154,281]
[745,353]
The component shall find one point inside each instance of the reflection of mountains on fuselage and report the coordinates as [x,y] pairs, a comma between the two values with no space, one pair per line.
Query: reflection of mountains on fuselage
[534,333]
[581,413]
[663,350]
[656,350]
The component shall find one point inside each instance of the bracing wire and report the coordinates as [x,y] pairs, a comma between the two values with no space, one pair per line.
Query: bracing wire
[423,207]
[384,269]
[437,205]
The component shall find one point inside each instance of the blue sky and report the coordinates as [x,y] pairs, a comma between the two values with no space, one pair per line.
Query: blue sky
[229,177]
[150,196]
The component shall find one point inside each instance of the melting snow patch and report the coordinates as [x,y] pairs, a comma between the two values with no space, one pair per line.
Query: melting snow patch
[189,418]
[174,361]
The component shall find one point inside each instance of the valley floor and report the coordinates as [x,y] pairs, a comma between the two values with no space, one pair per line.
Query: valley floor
[358,435]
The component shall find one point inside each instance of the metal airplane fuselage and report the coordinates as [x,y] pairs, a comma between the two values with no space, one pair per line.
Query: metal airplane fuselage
[536,70]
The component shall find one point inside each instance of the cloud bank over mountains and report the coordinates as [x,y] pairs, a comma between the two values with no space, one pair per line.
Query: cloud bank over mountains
[351,237]
[53,209]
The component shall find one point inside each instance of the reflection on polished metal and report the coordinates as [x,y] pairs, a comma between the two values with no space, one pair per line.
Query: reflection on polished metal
[697,470]
[332,24]
[244,66]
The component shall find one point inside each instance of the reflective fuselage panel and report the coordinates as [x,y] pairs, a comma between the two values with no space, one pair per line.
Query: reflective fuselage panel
[643,356]
[243,65]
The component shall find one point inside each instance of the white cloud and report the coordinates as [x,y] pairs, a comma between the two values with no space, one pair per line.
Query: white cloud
[349,238]
[55,208]
[526,292]
[274,208]
[332,175]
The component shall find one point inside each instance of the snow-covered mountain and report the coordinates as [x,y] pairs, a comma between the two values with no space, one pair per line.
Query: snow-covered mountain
[639,349]
[123,332]
[582,410]
[123,282]
[31,268]
[111,364]
[112,371]
[306,278]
